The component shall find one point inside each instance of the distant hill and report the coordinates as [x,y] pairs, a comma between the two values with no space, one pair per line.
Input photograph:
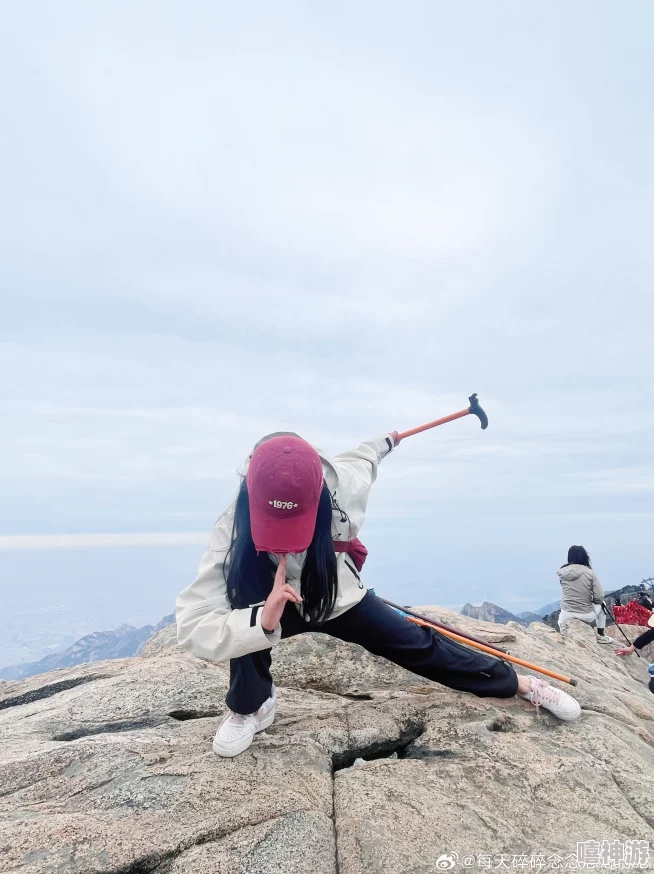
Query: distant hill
[489,612]
[528,617]
[548,608]
[122,642]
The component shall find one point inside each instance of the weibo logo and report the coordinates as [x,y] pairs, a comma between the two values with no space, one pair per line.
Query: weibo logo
[283,505]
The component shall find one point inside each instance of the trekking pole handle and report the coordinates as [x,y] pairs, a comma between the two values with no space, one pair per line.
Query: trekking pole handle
[474,409]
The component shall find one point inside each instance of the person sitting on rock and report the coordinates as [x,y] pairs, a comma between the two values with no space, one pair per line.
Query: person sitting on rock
[582,594]
[284,559]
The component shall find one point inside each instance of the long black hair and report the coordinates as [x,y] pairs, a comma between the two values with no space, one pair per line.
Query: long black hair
[578,555]
[250,574]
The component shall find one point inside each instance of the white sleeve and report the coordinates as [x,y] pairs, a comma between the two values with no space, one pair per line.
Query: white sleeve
[357,471]
[206,624]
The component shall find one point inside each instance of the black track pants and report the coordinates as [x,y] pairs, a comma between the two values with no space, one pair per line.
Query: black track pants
[383,632]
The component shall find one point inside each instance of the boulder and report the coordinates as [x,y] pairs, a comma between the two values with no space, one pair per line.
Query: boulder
[108,769]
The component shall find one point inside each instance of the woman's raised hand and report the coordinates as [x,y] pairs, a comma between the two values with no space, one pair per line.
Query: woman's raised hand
[278,598]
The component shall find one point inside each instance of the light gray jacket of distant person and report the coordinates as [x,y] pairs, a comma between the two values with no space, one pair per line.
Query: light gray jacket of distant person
[580,588]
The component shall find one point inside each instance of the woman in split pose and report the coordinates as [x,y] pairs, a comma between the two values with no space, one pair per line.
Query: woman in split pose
[284,559]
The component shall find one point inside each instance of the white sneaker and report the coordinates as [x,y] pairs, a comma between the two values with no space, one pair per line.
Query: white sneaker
[236,732]
[558,702]
[604,638]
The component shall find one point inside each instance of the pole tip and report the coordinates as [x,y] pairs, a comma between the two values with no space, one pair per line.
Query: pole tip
[573,682]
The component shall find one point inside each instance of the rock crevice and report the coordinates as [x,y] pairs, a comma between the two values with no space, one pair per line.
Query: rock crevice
[45,691]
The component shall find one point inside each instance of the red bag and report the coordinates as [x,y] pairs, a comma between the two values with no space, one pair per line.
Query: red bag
[632,613]
[354,548]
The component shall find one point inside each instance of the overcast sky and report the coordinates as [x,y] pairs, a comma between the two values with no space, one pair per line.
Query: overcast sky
[220,220]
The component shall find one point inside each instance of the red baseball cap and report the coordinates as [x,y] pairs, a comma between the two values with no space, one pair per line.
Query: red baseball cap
[284,482]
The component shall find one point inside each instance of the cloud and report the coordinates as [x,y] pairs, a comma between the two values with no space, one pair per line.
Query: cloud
[337,223]
[91,541]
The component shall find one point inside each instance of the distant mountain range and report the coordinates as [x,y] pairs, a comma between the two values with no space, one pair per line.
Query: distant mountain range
[126,640]
[548,608]
[489,612]
[122,642]
[548,614]
[526,617]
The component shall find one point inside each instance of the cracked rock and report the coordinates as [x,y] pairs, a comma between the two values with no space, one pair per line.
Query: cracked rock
[108,768]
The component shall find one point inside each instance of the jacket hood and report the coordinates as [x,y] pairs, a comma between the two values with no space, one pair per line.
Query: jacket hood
[573,571]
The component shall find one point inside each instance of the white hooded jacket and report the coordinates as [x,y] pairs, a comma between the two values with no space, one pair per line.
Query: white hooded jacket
[209,628]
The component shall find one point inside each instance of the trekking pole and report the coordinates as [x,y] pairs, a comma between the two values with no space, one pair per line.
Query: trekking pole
[609,613]
[428,623]
[473,409]
[451,628]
